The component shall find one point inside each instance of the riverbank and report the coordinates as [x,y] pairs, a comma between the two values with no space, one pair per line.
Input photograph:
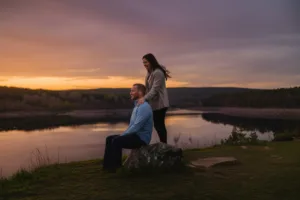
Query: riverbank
[264,174]
[264,113]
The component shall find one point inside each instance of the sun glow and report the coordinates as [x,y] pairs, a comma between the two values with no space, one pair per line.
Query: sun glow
[63,83]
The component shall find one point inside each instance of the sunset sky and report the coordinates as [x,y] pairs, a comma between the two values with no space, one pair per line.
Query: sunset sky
[62,44]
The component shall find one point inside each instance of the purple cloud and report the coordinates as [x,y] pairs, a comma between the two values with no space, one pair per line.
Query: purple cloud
[202,42]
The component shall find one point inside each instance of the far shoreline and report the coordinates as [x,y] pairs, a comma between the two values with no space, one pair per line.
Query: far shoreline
[258,113]
[263,113]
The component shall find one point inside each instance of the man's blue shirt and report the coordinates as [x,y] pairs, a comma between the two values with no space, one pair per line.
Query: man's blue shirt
[141,122]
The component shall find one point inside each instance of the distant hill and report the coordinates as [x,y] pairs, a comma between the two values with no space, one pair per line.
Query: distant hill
[181,97]
[276,98]
[191,97]
[20,99]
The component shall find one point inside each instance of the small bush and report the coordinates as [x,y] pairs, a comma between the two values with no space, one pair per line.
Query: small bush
[287,135]
[239,138]
[283,137]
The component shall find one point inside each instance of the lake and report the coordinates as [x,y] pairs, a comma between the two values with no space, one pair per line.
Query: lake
[83,140]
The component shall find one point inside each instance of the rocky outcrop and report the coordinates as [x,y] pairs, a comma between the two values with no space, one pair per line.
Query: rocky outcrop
[159,155]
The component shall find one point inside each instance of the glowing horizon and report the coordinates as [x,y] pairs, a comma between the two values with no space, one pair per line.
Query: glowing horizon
[65,83]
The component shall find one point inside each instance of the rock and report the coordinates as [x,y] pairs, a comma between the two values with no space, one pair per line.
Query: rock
[191,166]
[297,139]
[276,157]
[267,148]
[159,155]
[244,147]
[213,161]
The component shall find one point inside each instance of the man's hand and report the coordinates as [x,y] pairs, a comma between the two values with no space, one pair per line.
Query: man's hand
[141,100]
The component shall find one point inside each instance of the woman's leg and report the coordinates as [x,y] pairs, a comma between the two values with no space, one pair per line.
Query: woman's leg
[159,123]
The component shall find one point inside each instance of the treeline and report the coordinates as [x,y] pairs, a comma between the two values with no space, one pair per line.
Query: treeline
[19,99]
[276,98]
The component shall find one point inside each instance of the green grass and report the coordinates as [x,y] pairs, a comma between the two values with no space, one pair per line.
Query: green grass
[263,173]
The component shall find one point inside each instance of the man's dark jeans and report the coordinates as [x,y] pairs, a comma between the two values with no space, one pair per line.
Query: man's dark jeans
[113,149]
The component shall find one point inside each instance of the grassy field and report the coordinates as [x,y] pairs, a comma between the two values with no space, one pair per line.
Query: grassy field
[264,173]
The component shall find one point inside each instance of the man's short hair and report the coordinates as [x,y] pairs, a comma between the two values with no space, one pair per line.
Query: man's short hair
[140,87]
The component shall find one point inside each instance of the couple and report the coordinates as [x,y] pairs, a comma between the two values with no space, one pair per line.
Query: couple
[151,104]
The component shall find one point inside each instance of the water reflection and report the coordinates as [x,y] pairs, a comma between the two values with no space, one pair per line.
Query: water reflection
[75,139]
[51,122]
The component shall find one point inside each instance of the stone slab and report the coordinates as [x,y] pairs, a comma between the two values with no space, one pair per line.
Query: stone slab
[213,161]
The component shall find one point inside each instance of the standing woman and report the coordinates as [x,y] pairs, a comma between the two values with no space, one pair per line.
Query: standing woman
[156,93]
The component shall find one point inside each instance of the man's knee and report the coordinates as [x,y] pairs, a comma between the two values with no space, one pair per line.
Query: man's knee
[110,138]
[119,141]
[116,141]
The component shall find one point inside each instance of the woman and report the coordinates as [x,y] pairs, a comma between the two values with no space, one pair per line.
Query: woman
[156,95]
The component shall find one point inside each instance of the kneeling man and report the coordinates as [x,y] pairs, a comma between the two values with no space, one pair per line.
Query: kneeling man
[137,134]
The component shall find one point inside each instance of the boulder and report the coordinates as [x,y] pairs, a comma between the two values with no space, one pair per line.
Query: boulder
[159,155]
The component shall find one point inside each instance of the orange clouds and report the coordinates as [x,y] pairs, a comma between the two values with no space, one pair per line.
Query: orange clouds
[61,83]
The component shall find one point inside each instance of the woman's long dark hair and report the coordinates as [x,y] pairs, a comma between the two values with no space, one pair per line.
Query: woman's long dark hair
[155,65]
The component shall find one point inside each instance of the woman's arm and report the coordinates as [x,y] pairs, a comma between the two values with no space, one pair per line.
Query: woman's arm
[159,78]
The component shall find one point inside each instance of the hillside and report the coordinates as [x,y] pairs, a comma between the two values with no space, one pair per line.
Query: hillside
[20,99]
[276,98]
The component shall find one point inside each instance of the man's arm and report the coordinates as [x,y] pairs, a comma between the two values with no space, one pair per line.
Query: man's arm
[143,114]
[158,77]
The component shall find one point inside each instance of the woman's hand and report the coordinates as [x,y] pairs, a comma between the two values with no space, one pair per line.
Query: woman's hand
[141,100]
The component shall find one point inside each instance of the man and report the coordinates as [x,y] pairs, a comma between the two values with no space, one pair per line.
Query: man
[137,134]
